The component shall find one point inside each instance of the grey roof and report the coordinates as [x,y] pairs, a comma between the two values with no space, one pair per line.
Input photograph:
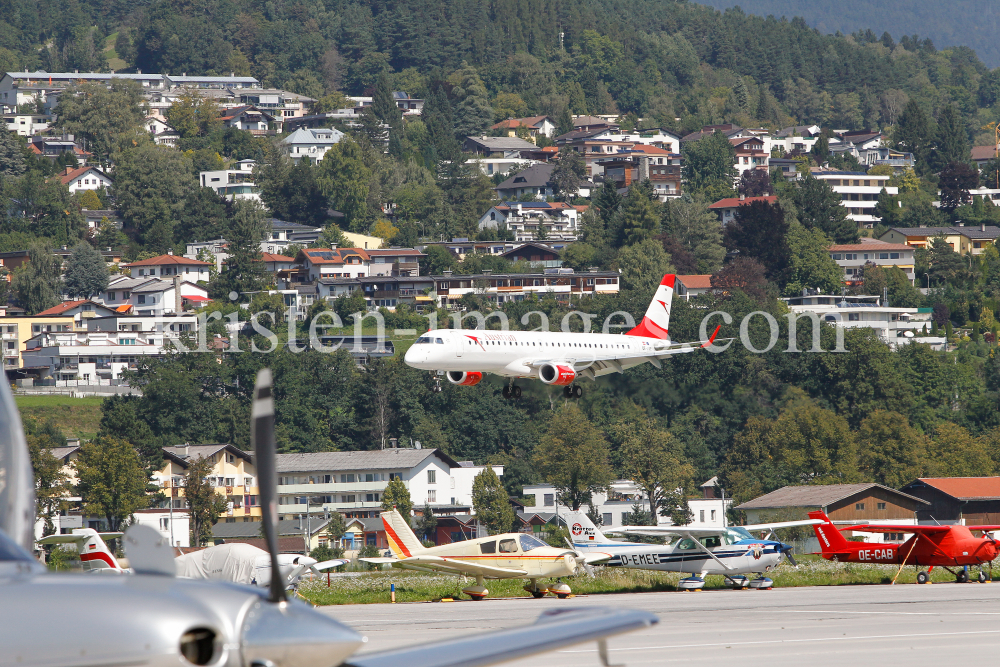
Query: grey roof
[284,224]
[326,137]
[131,283]
[535,176]
[816,496]
[60,453]
[183,453]
[794,130]
[971,231]
[377,459]
[504,143]
[211,79]
[286,527]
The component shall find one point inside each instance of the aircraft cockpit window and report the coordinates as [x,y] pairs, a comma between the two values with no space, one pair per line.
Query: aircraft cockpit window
[737,533]
[508,546]
[439,341]
[423,339]
[528,543]
[488,547]
[712,542]
[687,544]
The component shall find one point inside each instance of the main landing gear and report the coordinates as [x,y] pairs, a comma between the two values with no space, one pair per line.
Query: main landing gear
[478,591]
[573,391]
[512,392]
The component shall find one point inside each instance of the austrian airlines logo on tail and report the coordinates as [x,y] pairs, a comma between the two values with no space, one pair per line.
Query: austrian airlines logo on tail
[656,322]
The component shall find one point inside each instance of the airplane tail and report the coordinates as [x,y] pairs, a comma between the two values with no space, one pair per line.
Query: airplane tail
[831,541]
[401,539]
[656,322]
[583,532]
[94,553]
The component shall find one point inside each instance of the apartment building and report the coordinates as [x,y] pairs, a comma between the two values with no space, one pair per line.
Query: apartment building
[352,483]
[232,475]
[531,220]
[963,240]
[852,258]
[640,163]
[858,192]
[562,284]
[893,325]
[232,184]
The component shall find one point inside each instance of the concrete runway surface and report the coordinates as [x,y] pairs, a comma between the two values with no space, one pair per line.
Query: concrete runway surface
[938,624]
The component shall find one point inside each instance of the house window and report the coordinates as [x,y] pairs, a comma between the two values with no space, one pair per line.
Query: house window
[432,476]
[111,296]
[347,499]
[713,515]
[230,458]
[431,496]
[625,518]
[371,498]
[859,506]
[606,518]
[142,298]
[880,506]
[164,524]
[549,500]
[347,479]
[701,516]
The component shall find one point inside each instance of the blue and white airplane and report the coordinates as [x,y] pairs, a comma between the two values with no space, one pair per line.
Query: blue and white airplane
[732,551]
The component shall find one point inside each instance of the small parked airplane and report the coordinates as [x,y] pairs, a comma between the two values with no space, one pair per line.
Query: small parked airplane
[945,546]
[506,556]
[238,563]
[728,551]
[554,358]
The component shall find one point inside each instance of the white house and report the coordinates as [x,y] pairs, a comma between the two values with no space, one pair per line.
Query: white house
[858,191]
[175,525]
[852,257]
[170,265]
[236,183]
[559,220]
[151,297]
[248,118]
[310,143]
[352,483]
[88,357]
[85,178]
[893,325]
[27,125]
[163,134]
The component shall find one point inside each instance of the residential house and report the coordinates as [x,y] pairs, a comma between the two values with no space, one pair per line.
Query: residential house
[15,331]
[537,255]
[169,265]
[858,192]
[214,82]
[863,140]
[85,178]
[535,220]
[152,297]
[162,132]
[53,147]
[410,106]
[853,257]
[363,240]
[966,500]
[614,505]
[173,525]
[314,264]
[845,504]
[657,137]
[563,284]
[787,167]
[461,247]
[94,217]
[17,88]
[233,475]
[80,311]
[894,326]
[534,126]
[501,147]
[394,262]
[750,154]
[593,123]
[535,181]
[386,291]
[726,208]
[505,165]
[686,287]
[275,263]
[27,125]
[730,131]
[232,184]
[280,105]
[963,240]
[86,357]
[898,160]
[310,143]
[983,154]
[352,483]
[660,167]
[249,119]
[159,330]
[796,139]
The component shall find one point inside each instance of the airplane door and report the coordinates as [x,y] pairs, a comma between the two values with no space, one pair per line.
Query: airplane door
[460,341]
[509,554]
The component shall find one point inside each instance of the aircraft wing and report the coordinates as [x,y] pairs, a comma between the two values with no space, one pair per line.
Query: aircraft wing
[552,630]
[898,528]
[328,564]
[76,538]
[781,524]
[985,528]
[658,531]
[449,566]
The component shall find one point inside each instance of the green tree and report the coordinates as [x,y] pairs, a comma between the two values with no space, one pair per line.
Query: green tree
[573,457]
[810,264]
[888,209]
[111,483]
[245,270]
[86,272]
[11,153]
[957,453]
[708,166]
[951,143]
[438,259]
[653,459]
[109,117]
[643,265]
[946,265]
[205,506]
[638,217]
[914,134]
[473,114]
[759,231]
[427,524]
[120,419]
[890,451]
[698,231]
[490,502]
[569,173]
[579,255]
[34,284]
[819,207]
[343,178]
[51,482]
[152,184]
[336,528]
[397,495]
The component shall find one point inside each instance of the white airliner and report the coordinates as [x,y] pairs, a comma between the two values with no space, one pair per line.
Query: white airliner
[555,358]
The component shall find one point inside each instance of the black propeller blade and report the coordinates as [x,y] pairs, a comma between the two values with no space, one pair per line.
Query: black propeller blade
[262,439]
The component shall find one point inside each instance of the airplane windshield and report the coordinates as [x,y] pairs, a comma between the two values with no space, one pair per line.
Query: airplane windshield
[422,340]
[737,533]
[528,543]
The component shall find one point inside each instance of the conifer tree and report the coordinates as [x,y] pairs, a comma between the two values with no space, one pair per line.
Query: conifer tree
[473,113]
[951,141]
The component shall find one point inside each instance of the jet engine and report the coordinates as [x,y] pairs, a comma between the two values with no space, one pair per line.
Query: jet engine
[466,379]
[557,374]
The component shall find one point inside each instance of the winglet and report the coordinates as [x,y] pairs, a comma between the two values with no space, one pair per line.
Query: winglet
[711,338]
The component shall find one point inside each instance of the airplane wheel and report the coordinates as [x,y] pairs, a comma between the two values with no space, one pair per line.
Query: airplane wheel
[577,391]
[515,391]
[923,577]
[477,598]
[562,596]
[568,392]
[962,577]
[982,577]
[537,594]
[506,392]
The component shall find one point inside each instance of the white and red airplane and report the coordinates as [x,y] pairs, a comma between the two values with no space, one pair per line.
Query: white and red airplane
[555,358]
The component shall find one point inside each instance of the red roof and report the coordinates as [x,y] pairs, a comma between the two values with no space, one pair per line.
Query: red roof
[696,281]
[195,297]
[732,202]
[61,308]
[124,308]
[966,488]
[533,121]
[169,259]
[334,256]
[71,175]
[270,257]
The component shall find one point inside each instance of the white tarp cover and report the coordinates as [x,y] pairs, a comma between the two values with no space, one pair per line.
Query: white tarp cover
[231,562]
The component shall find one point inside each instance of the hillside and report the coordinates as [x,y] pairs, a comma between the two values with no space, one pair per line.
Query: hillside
[971,23]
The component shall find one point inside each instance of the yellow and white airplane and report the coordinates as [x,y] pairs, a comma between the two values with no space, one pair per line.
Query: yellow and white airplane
[506,556]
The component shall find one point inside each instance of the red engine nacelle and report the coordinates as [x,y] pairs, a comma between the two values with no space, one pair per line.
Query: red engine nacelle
[557,374]
[466,379]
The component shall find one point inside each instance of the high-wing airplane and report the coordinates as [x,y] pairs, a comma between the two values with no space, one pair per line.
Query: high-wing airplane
[554,358]
[506,556]
[931,546]
[731,552]
[155,618]
[94,553]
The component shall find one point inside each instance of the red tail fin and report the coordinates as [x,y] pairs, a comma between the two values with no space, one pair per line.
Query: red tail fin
[830,539]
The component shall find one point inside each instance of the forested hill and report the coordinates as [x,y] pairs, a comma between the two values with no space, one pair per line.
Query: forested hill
[972,23]
[661,59]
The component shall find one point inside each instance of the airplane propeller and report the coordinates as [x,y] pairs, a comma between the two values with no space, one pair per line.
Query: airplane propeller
[262,439]
[786,551]
[581,559]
